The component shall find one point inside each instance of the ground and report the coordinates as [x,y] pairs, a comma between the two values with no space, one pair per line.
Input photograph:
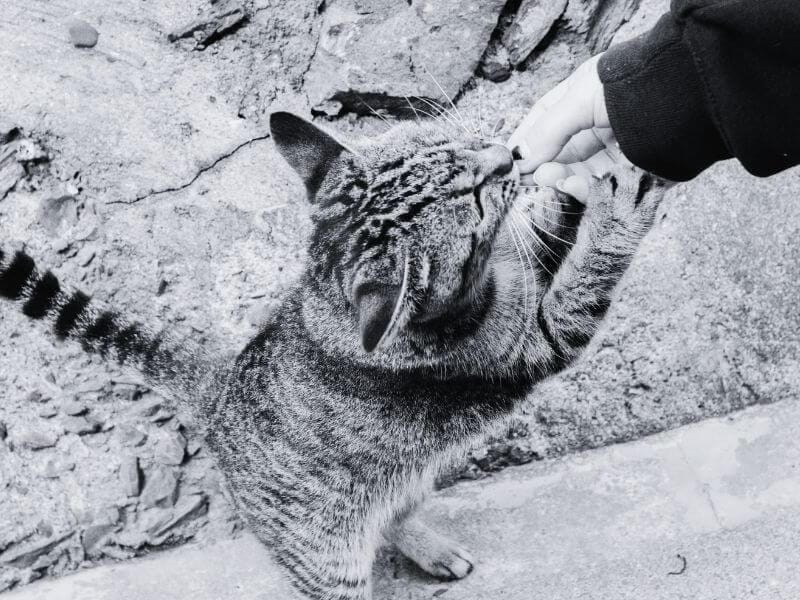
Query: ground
[708,511]
[141,170]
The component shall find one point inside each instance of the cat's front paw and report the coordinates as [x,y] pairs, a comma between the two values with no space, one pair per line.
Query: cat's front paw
[432,552]
[628,196]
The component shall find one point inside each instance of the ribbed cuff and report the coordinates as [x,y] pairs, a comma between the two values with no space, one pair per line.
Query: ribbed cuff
[657,105]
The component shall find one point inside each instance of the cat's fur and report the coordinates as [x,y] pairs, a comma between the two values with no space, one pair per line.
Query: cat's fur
[415,328]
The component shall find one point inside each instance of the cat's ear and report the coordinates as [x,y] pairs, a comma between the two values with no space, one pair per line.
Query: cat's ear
[309,150]
[382,310]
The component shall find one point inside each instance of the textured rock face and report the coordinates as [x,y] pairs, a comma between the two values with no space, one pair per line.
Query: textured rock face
[397,49]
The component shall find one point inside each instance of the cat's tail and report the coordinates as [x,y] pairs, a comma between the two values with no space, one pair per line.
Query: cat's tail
[181,370]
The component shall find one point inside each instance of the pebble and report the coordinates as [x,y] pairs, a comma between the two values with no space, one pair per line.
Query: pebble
[38,440]
[82,35]
[161,487]
[35,396]
[131,436]
[86,255]
[80,425]
[95,534]
[54,468]
[131,476]
[74,408]
[48,411]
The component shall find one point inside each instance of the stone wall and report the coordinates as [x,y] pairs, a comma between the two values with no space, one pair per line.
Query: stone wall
[141,169]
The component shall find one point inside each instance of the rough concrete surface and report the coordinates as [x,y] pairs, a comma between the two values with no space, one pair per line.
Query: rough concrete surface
[706,512]
[141,169]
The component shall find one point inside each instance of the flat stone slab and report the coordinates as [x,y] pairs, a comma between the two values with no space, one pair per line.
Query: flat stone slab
[722,495]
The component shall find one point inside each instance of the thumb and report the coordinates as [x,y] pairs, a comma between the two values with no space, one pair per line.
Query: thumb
[551,132]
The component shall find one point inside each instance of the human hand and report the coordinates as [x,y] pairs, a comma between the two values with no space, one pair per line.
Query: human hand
[568,125]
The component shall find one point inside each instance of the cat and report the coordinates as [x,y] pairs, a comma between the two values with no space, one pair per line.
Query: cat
[419,324]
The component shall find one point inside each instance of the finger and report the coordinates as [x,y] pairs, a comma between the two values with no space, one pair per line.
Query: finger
[537,112]
[581,146]
[575,186]
[601,163]
[549,136]
[550,173]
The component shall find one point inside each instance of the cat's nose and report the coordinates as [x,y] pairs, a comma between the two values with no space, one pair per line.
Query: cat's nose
[497,160]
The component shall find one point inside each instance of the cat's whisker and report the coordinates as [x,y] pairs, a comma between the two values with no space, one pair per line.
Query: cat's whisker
[377,114]
[521,220]
[530,264]
[445,114]
[449,99]
[512,233]
[416,114]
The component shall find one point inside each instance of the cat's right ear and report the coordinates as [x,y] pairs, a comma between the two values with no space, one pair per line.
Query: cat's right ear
[309,150]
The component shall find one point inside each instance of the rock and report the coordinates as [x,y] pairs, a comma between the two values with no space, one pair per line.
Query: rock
[82,35]
[130,435]
[496,65]
[37,440]
[57,212]
[379,52]
[74,408]
[14,533]
[187,508]
[161,487]
[128,392]
[95,534]
[55,468]
[25,555]
[599,20]
[221,20]
[163,414]
[35,396]
[86,255]
[116,553]
[193,447]
[533,21]
[150,408]
[48,411]
[170,448]
[80,425]
[130,476]
[130,539]
[28,150]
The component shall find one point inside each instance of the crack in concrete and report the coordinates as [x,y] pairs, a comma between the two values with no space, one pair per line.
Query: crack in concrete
[202,171]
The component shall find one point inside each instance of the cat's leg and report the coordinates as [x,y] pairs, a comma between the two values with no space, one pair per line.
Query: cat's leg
[431,551]
[620,212]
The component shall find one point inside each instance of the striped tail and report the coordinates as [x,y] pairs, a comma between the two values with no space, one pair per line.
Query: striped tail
[178,369]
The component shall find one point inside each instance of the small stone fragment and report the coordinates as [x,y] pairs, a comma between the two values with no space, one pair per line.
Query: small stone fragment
[131,476]
[161,487]
[187,508]
[74,408]
[496,65]
[533,21]
[25,555]
[131,436]
[193,447]
[83,35]
[130,539]
[80,425]
[48,411]
[35,396]
[55,468]
[95,534]
[37,440]
[170,448]
[86,255]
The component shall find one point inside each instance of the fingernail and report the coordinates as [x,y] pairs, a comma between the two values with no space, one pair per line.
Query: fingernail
[560,185]
[516,154]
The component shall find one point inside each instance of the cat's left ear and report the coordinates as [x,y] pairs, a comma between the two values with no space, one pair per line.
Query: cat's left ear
[309,150]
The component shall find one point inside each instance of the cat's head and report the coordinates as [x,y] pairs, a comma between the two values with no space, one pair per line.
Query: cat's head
[404,223]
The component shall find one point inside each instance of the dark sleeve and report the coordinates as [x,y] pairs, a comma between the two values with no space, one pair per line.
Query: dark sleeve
[714,79]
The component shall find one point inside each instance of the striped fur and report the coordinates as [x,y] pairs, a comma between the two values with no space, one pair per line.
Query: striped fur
[177,369]
[417,328]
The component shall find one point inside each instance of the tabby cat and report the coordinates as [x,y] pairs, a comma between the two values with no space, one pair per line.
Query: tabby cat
[420,322]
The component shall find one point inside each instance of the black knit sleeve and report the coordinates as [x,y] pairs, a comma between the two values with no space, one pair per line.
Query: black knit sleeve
[712,80]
